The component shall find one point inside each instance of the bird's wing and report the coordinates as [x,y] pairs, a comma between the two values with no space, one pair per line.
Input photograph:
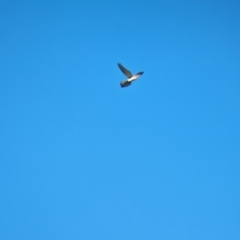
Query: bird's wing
[124,70]
[125,83]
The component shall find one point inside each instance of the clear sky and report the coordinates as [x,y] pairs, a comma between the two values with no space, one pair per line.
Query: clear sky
[82,158]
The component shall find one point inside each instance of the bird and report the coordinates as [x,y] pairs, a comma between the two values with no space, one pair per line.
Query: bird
[129,75]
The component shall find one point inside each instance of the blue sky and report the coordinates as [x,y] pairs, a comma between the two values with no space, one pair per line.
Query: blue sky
[82,158]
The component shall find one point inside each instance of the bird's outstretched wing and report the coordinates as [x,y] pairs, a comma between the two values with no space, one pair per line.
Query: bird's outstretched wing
[125,71]
[125,84]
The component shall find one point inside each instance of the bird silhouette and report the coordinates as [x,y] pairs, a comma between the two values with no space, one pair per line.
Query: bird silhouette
[129,75]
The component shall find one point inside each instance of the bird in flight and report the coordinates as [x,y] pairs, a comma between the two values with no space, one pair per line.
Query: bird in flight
[129,75]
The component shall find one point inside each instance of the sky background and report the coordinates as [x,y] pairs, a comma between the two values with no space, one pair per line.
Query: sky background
[82,158]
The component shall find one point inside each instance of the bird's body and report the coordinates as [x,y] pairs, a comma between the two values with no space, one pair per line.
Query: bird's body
[130,76]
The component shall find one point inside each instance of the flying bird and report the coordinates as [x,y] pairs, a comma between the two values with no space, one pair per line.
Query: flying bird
[129,75]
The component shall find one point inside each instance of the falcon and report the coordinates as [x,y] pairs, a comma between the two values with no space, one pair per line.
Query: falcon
[129,75]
